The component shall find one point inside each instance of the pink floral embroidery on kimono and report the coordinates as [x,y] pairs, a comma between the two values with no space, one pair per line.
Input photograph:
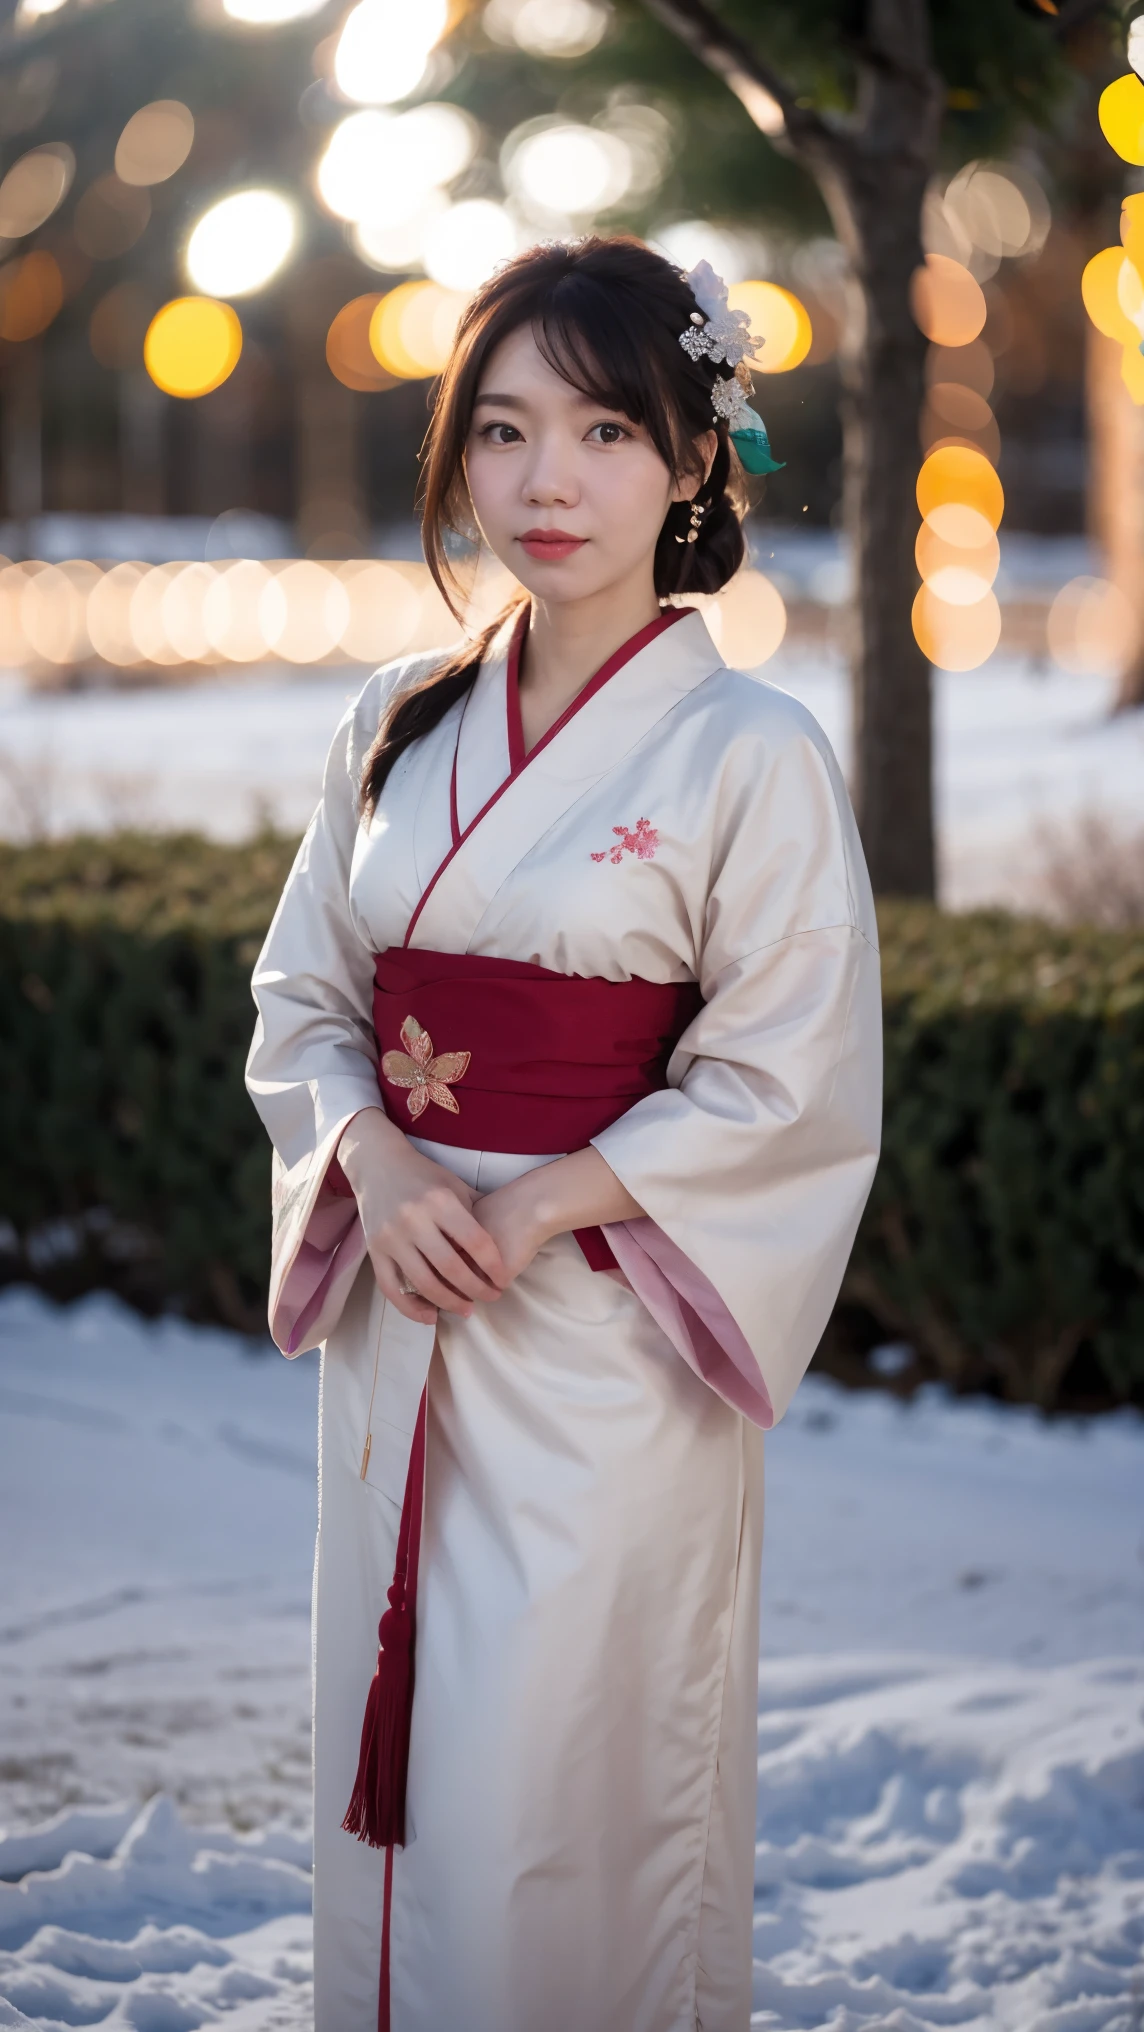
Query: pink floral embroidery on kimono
[642,843]
[428,1078]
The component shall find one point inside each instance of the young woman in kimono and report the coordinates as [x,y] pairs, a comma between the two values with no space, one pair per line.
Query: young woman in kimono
[568,1047]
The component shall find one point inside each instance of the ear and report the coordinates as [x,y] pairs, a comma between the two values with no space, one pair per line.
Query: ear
[705,449]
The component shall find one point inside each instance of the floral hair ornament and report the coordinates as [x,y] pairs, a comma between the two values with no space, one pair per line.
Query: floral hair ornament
[718,333]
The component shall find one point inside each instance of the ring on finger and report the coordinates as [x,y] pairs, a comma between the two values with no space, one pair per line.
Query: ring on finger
[407,1289]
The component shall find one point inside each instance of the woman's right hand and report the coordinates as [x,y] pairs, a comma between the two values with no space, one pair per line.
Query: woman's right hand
[428,1251]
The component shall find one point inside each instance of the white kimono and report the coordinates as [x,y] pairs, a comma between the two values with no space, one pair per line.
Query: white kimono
[581,1793]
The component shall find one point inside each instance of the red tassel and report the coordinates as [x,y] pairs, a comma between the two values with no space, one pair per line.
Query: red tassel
[376,1812]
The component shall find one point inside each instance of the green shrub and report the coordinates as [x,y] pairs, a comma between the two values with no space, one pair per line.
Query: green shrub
[1004,1238]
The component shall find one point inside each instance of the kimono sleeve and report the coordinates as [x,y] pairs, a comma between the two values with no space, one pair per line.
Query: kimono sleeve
[313,1062]
[753,1166]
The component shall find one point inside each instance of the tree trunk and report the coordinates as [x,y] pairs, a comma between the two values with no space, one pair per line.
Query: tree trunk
[877,211]
[1116,492]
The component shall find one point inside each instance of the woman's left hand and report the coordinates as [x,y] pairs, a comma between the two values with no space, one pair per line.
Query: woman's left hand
[509,1215]
[579,1191]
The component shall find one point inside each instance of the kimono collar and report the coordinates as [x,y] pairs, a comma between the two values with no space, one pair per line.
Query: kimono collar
[637,686]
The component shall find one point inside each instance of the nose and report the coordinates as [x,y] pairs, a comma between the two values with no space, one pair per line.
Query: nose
[550,478]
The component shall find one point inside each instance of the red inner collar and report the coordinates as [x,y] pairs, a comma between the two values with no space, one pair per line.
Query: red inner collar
[517,757]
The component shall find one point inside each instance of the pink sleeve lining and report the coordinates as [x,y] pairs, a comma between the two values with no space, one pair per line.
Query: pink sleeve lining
[318,1280]
[691,1313]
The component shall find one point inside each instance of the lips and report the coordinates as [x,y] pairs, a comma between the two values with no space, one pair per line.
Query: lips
[550,544]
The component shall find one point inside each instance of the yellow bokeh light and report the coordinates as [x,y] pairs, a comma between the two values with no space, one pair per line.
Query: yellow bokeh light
[1100,293]
[779,319]
[947,303]
[960,573]
[411,332]
[956,637]
[1121,116]
[958,473]
[192,345]
[1132,228]
[956,523]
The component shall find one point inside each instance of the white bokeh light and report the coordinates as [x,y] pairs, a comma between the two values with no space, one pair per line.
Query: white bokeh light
[241,243]
[395,245]
[379,167]
[689,241]
[384,48]
[564,170]
[548,28]
[466,242]
[269,13]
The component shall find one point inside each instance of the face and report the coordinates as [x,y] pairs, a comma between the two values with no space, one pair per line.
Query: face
[570,495]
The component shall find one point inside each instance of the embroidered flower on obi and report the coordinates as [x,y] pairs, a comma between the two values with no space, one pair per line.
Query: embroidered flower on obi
[642,843]
[427,1077]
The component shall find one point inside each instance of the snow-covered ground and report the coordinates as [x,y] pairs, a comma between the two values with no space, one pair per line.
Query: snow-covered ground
[951,1715]
[1021,750]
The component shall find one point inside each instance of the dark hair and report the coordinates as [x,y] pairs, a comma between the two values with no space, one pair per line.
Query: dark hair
[607,315]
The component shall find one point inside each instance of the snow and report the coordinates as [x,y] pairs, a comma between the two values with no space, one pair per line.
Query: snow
[951,1716]
[1023,751]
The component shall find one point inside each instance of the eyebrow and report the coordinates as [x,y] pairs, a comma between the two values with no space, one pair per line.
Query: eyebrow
[504,401]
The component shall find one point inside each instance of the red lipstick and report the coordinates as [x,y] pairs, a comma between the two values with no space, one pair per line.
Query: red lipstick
[551,544]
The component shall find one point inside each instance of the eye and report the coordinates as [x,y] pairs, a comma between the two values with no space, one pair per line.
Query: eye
[500,434]
[608,433]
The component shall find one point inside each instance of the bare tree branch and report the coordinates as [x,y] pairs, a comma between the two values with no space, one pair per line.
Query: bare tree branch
[767,96]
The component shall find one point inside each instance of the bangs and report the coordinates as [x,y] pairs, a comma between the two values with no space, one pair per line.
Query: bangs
[577,327]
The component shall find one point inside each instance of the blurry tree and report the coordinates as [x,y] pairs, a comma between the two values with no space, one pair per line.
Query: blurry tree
[852,106]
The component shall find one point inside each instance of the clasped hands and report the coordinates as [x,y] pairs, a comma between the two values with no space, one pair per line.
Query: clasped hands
[435,1245]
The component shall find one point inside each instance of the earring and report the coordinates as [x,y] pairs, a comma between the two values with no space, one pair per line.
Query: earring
[697,514]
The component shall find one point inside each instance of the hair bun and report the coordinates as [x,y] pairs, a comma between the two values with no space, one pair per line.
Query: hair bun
[706,565]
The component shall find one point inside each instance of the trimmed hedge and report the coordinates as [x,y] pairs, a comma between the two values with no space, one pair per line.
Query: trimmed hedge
[1004,1240]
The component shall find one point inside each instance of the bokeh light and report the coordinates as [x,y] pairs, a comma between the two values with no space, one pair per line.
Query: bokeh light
[987,211]
[956,637]
[412,330]
[968,366]
[947,302]
[304,612]
[687,242]
[34,188]
[234,615]
[155,142]
[181,613]
[1132,373]
[53,611]
[384,610]
[379,168]
[561,169]
[747,620]
[31,292]
[1100,293]
[546,28]
[1121,115]
[384,48]
[145,616]
[1091,628]
[397,245]
[241,242]
[466,242]
[779,319]
[958,474]
[110,217]
[349,355]
[109,615]
[271,13]
[955,572]
[192,345]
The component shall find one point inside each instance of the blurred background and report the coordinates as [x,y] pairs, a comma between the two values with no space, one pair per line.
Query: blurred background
[235,240]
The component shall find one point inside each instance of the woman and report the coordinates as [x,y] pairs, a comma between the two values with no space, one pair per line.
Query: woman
[568,1046]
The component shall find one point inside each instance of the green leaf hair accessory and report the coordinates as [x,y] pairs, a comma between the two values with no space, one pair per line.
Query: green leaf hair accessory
[753,445]
[718,333]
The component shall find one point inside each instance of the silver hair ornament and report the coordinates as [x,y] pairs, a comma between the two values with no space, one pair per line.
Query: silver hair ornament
[727,337]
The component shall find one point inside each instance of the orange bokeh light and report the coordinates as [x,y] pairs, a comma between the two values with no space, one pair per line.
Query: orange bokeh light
[956,637]
[947,303]
[350,356]
[957,473]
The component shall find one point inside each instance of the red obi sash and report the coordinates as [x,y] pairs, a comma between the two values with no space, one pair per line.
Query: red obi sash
[491,1054]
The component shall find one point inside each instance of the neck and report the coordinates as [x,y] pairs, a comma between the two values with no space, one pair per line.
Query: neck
[568,641]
